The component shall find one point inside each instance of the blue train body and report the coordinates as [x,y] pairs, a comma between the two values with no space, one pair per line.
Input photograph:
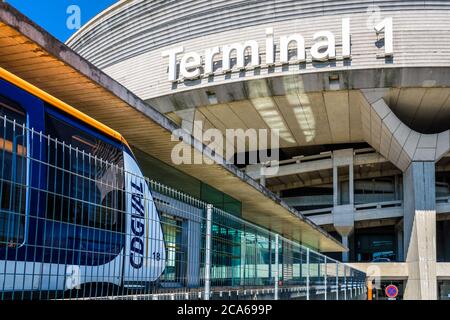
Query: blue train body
[65,219]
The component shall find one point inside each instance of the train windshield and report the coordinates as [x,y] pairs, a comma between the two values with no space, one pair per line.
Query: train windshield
[90,175]
[13,173]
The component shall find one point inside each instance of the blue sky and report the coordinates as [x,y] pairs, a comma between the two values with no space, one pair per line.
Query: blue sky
[52,14]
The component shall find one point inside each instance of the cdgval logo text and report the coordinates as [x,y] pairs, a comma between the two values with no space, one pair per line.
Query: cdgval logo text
[192,65]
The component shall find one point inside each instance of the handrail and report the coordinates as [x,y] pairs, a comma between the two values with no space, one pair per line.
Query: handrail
[358,207]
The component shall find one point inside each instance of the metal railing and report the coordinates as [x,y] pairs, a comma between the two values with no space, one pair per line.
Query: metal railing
[379,205]
[364,206]
[71,227]
[443,199]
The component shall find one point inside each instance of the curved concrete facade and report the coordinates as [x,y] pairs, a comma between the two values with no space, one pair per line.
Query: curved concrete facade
[330,76]
[127,40]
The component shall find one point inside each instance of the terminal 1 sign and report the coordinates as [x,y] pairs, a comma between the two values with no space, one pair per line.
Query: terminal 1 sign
[193,65]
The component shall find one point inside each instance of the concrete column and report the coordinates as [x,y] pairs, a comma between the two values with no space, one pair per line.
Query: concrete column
[343,215]
[335,186]
[419,230]
[187,119]
[345,243]
[342,158]
[351,187]
[262,181]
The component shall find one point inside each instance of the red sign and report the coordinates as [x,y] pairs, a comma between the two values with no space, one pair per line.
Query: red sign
[391,291]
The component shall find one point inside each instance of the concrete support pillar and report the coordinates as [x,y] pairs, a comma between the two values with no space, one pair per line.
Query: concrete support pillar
[187,119]
[335,186]
[343,213]
[419,230]
[343,158]
[351,188]
[262,181]
[345,243]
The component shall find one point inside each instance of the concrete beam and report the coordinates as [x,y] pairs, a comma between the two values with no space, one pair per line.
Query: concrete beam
[385,270]
[300,166]
[311,183]
[395,141]
[380,214]
[254,170]
[443,270]
[360,215]
[319,200]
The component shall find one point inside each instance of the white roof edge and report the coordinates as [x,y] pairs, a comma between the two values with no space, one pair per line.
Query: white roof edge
[100,15]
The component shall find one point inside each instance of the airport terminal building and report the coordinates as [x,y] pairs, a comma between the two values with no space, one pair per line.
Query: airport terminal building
[359,92]
[204,230]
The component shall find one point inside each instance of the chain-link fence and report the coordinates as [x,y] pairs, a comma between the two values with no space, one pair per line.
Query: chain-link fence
[77,223]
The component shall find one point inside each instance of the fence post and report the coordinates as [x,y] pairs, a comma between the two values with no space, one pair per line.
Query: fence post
[307,273]
[325,278]
[345,282]
[337,281]
[351,285]
[276,275]
[208,252]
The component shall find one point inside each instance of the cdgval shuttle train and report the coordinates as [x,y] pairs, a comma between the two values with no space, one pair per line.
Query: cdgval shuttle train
[75,208]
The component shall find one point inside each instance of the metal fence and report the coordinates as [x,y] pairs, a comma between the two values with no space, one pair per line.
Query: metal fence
[75,223]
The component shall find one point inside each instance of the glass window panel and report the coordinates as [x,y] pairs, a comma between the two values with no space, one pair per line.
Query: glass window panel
[85,178]
[13,158]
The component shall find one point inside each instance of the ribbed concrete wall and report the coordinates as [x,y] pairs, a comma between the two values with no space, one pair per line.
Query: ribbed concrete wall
[127,41]
[137,26]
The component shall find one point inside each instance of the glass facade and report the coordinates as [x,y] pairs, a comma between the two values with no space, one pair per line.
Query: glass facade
[170,176]
[375,244]
[219,199]
[175,251]
[244,255]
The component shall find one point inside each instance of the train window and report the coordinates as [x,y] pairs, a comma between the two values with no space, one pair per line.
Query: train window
[86,179]
[13,174]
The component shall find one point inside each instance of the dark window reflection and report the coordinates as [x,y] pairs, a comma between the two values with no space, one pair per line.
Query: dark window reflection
[82,188]
[13,174]
[375,244]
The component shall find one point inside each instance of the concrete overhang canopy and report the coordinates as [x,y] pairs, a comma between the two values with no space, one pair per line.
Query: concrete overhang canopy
[31,53]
